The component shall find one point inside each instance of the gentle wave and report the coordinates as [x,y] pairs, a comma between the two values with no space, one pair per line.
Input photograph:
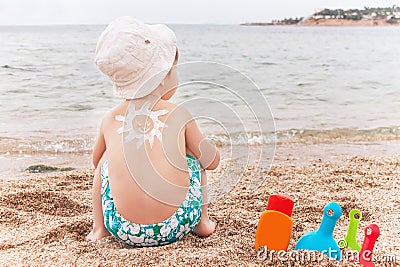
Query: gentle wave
[84,145]
[16,68]
[341,135]
[23,146]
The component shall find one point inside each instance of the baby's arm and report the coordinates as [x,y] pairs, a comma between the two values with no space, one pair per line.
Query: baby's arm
[207,154]
[99,147]
[99,230]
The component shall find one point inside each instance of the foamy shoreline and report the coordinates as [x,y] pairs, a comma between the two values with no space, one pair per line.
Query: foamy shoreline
[298,151]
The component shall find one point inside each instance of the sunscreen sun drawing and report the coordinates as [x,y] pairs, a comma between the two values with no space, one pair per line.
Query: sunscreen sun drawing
[142,124]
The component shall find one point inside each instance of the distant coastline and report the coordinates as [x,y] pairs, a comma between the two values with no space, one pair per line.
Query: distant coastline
[380,16]
[345,22]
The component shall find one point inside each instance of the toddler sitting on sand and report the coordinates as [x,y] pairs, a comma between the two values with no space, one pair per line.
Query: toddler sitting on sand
[150,156]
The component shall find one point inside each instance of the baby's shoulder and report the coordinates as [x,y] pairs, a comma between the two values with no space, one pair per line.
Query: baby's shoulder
[109,116]
[175,110]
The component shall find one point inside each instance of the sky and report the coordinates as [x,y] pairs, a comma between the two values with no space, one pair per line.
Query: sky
[44,12]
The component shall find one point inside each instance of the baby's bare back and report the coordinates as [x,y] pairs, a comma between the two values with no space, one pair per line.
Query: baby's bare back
[146,154]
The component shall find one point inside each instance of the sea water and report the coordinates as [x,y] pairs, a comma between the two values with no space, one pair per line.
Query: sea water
[323,82]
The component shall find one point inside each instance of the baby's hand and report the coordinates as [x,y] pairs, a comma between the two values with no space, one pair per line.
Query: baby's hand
[208,155]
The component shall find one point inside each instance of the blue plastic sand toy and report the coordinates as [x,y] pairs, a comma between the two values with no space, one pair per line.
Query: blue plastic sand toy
[322,239]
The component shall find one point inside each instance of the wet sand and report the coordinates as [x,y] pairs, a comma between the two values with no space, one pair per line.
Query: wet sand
[45,217]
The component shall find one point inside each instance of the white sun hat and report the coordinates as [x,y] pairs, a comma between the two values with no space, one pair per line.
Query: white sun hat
[136,56]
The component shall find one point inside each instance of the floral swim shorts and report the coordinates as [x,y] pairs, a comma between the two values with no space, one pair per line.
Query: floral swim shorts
[181,223]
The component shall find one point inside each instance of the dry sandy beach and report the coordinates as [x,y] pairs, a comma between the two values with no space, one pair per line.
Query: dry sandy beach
[44,218]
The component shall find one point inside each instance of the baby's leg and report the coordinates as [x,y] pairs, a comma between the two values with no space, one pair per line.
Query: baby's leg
[205,227]
[99,230]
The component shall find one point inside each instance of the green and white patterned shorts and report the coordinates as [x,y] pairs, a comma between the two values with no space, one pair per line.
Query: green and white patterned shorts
[181,223]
